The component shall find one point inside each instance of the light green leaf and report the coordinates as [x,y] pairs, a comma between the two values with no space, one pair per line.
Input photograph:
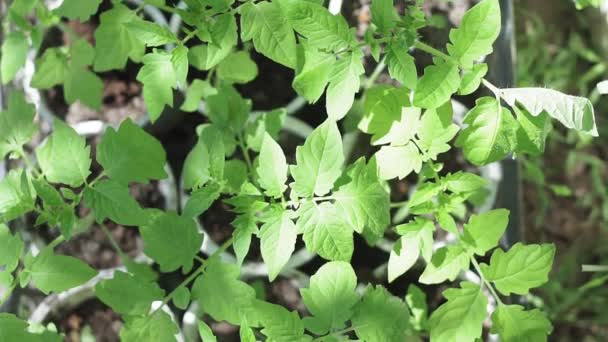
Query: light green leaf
[416,240]
[51,69]
[181,297]
[238,67]
[471,79]
[312,78]
[277,243]
[235,174]
[159,79]
[363,202]
[17,125]
[78,9]
[223,39]
[56,273]
[149,33]
[491,132]
[196,171]
[532,131]
[237,299]
[381,317]
[228,109]
[198,90]
[384,15]
[572,111]
[330,296]
[521,268]
[130,154]
[16,196]
[14,329]
[325,232]
[461,317]
[84,86]
[322,29]
[110,199]
[416,301]
[177,251]
[82,53]
[400,63]
[270,30]
[14,51]
[446,221]
[64,157]
[244,227]
[483,231]
[158,327]
[11,248]
[461,182]
[344,83]
[398,161]
[246,334]
[424,193]
[114,44]
[280,324]
[269,122]
[479,29]
[179,59]
[437,85]
[272,168]
[127,294]
[446,264]
[436,130]
[513,324]
[205,332]
[201,199]
[319,161]
[388,115]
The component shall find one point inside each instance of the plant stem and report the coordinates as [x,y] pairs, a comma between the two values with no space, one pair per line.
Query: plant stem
[486,283]
[375,74]
[196,273]
[56,242]
[188,37]
[595,268]
[113,242]
[245,152]
[27,161]
[431,50]
[398,204]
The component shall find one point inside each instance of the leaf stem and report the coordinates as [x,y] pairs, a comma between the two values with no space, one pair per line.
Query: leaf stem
[28,162]
[113,242]
[595,268]
[431,50]
[398,204]
[375,74]
[485,281]
[245,152]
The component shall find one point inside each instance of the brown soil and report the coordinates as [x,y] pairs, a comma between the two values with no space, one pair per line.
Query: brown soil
[91,317]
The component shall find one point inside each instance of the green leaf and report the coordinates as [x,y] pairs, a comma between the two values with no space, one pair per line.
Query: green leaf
[479,29]
[159,79]
[235,174]
[205,332]
[344,83]
[446,221]
[330,297]
[244,227]
[461,317]
[157,327]
[491,132]
[114,43]
[532,131]
[201,199]
[14,329]
[384,15]
[512,323]
[416,240]
[180,249]
[398,161]
[325,232]
[521,268]
[56,273]
[64,157]
[400,63]
[179,59]
[388,115]
[198,90]
[181,297]
[78,9]
[315,73]
[237,299]
[223,39]
[471,79]
[246,334]
[130,154]
[272,168]
[437,85]
[11,249]
[17,125]
[424,193]
[277,242]
[228,109]
[196,171]
[436,130]
[238,67]
[127,294]
[461,182]
[363,202]
[110,199]
[16,196]
[149,33]
[416,301]
[322,29]
[280,324]
[269,122]
[572,111]
[446,264]
[51,69]
[270,30]
[483,231]
[84,86]
[381,317]
[14,51]
[319,161]
[82,54]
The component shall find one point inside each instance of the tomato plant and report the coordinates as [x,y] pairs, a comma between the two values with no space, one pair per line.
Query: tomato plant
[320,197]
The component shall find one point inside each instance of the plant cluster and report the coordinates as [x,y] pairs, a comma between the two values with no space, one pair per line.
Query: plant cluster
[321,198]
